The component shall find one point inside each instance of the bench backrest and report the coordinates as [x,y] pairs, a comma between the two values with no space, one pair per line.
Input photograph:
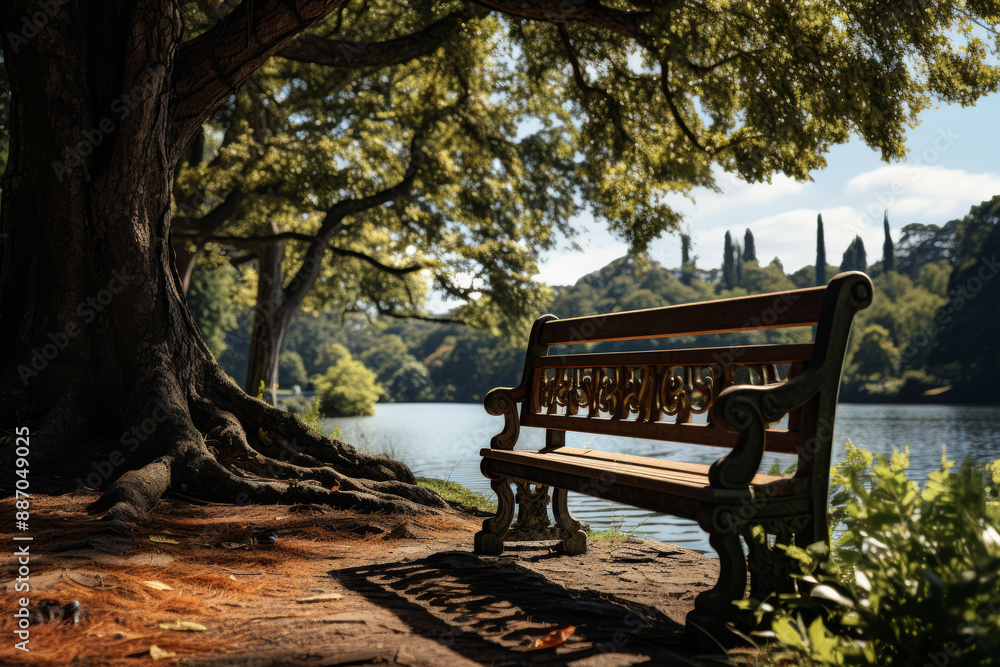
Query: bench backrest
[654,394]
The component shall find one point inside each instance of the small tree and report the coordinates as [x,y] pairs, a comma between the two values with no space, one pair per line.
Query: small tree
[687,262]
[728,263]
[348,390]
[749,250]
[820,252]
[876,357]
[855,258]
[411,383]
[291,369]
[888,258]
[738,259]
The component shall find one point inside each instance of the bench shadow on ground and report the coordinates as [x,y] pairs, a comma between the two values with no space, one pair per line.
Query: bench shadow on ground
[488,609]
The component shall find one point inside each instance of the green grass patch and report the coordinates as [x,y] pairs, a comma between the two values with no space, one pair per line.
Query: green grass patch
[455,492]
[613,534]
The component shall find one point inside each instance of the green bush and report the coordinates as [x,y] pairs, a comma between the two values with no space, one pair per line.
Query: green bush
[291,370]
[347,390]
[914,579]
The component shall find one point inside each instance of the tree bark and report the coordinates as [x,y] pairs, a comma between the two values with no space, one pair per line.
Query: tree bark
[97,345]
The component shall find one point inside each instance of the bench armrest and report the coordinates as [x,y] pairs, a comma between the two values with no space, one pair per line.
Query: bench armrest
[504,401]
[748,409]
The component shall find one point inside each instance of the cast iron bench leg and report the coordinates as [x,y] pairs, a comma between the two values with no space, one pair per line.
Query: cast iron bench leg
[714,606]
[489,540]
[576,541]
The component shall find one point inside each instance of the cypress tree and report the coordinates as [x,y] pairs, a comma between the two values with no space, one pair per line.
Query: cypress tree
[855,258]
[888,258]
[749,250]
[728,264]
[687,266]
[820,252]
[738,257]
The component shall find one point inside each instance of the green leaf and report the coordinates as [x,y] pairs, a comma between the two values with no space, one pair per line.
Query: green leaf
[827,592]
[822,643]
[787,632]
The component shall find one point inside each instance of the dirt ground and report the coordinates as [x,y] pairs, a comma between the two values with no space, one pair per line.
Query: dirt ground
[305,585]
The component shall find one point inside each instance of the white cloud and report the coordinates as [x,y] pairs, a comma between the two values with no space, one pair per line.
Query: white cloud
[598,248]
[737,194]
[791,236]
[921,193]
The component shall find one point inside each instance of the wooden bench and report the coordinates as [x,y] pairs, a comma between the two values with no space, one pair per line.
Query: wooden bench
[654,394]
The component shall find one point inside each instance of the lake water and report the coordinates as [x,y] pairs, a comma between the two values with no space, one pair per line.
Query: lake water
[443,440]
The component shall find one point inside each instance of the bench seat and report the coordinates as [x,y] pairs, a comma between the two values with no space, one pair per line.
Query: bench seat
[569,468]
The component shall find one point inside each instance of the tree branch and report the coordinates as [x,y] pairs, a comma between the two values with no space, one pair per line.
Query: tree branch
[209,222]
[334,221]
[344,53]
[450,289]
[212,66]
[674,111]
[425,318]
[588,91]
[589,12]
[251,241]
[394,270]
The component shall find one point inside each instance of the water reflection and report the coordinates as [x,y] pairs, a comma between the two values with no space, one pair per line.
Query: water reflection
[443,440]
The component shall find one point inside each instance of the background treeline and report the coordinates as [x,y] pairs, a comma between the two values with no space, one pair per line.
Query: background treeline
[930,335]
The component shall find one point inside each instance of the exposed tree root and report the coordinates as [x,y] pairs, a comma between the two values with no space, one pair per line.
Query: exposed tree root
[296,435]
[219,444]
[134,493]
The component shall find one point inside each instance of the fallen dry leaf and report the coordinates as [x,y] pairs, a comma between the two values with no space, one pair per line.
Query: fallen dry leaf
[234,545]
[184,626]
[163,539]
[157,653]
[158,585]
[554,638]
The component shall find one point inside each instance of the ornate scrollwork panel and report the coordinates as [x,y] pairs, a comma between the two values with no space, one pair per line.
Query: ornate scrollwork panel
[647,393]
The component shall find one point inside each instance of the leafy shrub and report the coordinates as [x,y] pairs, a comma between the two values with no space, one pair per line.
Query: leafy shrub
[347,390]
[914,579]
[291,370]
[410,383]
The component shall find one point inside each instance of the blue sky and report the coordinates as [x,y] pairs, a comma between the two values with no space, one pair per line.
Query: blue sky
[951,165]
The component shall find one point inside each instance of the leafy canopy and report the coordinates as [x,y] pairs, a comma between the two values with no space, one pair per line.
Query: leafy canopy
[510,119]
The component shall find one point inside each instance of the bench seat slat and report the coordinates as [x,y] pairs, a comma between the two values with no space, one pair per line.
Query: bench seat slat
[659,476]
[750,354]
[778,440]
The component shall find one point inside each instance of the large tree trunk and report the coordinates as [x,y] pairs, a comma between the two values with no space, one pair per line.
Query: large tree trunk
[97,345]
[270,317]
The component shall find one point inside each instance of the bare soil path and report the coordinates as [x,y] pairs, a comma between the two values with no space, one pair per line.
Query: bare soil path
[308,586]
